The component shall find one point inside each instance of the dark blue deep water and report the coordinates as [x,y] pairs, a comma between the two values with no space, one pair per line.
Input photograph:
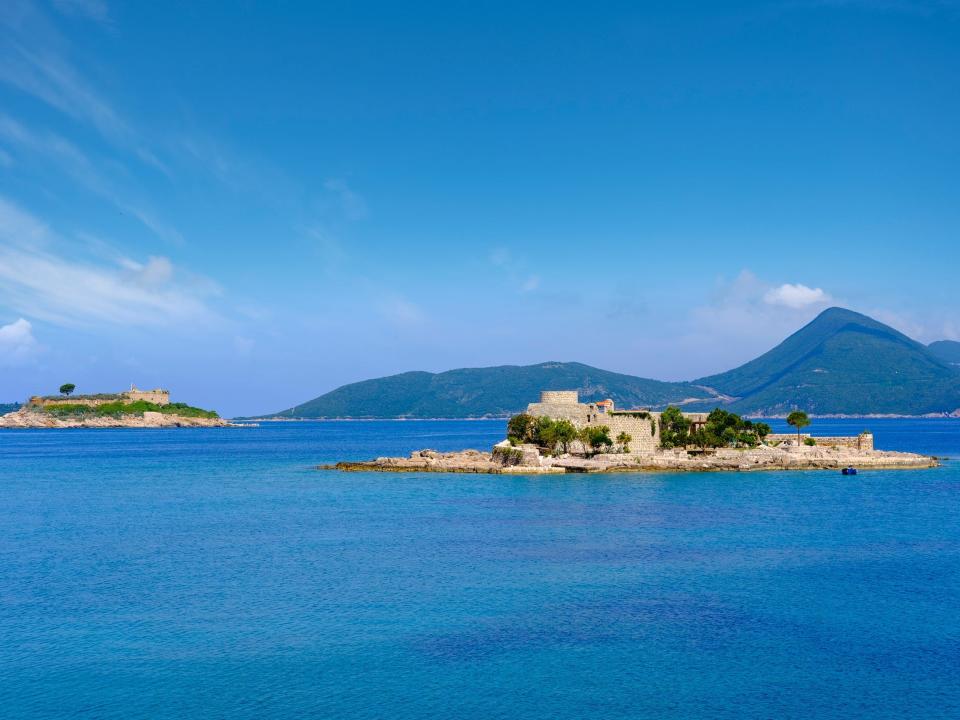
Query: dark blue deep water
[214,574]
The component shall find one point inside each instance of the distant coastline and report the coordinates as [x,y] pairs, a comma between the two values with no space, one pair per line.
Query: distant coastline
[955,415]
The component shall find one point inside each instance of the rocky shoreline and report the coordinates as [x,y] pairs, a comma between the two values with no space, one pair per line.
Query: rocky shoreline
[525,460]
[27,418]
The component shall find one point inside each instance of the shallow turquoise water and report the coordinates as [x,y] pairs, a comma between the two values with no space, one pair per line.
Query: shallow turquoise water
[213,573]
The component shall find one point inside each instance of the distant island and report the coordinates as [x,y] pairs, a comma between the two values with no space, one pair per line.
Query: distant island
[841,363]
[560,434]
[130,408]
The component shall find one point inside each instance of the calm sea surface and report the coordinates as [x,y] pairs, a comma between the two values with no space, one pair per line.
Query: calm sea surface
[212,573]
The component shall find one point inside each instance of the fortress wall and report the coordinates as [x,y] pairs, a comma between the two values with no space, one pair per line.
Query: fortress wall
[642,441]
[158,397]
[79,400]
[575,413]
[559,397]
[857,442]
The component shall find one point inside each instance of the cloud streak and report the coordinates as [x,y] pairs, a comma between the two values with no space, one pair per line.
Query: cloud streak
[68,158]
[41,283]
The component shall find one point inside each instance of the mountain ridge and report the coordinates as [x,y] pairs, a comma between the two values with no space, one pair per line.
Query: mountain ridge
[840,363]
[485,392]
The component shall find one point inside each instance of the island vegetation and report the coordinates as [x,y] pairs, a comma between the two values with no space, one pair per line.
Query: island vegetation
[119,409]
[555,436]
[722,429]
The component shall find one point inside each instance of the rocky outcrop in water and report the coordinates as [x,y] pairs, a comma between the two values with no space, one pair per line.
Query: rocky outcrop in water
[527,460]
[26,417]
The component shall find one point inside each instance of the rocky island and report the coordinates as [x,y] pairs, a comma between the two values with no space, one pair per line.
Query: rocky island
[133,408]
[562,435]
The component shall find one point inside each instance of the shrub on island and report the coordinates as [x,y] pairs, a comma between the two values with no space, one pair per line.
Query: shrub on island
[120,408]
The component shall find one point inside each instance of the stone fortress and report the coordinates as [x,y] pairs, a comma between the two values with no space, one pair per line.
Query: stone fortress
[643,452]
[156,396]
[643,426]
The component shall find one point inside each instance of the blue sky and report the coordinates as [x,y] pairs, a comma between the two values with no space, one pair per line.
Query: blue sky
[253,203]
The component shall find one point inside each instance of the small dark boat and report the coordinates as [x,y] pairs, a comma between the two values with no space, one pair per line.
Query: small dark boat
[849,471]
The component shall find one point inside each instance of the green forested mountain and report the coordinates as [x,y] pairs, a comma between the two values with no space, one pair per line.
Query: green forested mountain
[8,407]
[946,350]
[843,363]
[494,391]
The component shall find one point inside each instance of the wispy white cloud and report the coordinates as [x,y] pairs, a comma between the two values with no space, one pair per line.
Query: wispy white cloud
[350,203]
[155,273]
[796,296]
[43,283]
[330,249]
[34,58]
[514,270]
[401,312]
[17,344]
[95,10]
[50,79]
[68,158]
[530,284]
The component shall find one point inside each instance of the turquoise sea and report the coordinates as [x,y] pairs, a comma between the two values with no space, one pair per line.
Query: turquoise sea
[213,573]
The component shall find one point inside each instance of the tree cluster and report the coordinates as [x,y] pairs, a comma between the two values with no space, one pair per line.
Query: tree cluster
[722,429]
[556,436]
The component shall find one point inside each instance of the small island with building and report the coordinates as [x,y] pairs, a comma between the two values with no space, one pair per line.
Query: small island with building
[131,408]
[560,434]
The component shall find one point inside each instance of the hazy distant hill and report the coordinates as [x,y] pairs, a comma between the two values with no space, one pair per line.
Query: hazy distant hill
[8,407]
[843,362]
[946,350]
[478,392]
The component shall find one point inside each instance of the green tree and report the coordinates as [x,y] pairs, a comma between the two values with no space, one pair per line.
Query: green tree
[595,437]
[725,428]
[67,388]
[674,428]
[623,441]
[799,419]
[565,433]
[521,428]
[555,435]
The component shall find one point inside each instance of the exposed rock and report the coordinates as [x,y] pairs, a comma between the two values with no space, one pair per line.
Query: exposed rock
[525,459]
[465,461]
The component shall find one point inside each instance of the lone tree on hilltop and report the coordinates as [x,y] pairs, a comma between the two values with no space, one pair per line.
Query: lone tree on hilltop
[799,419]
[67,388]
